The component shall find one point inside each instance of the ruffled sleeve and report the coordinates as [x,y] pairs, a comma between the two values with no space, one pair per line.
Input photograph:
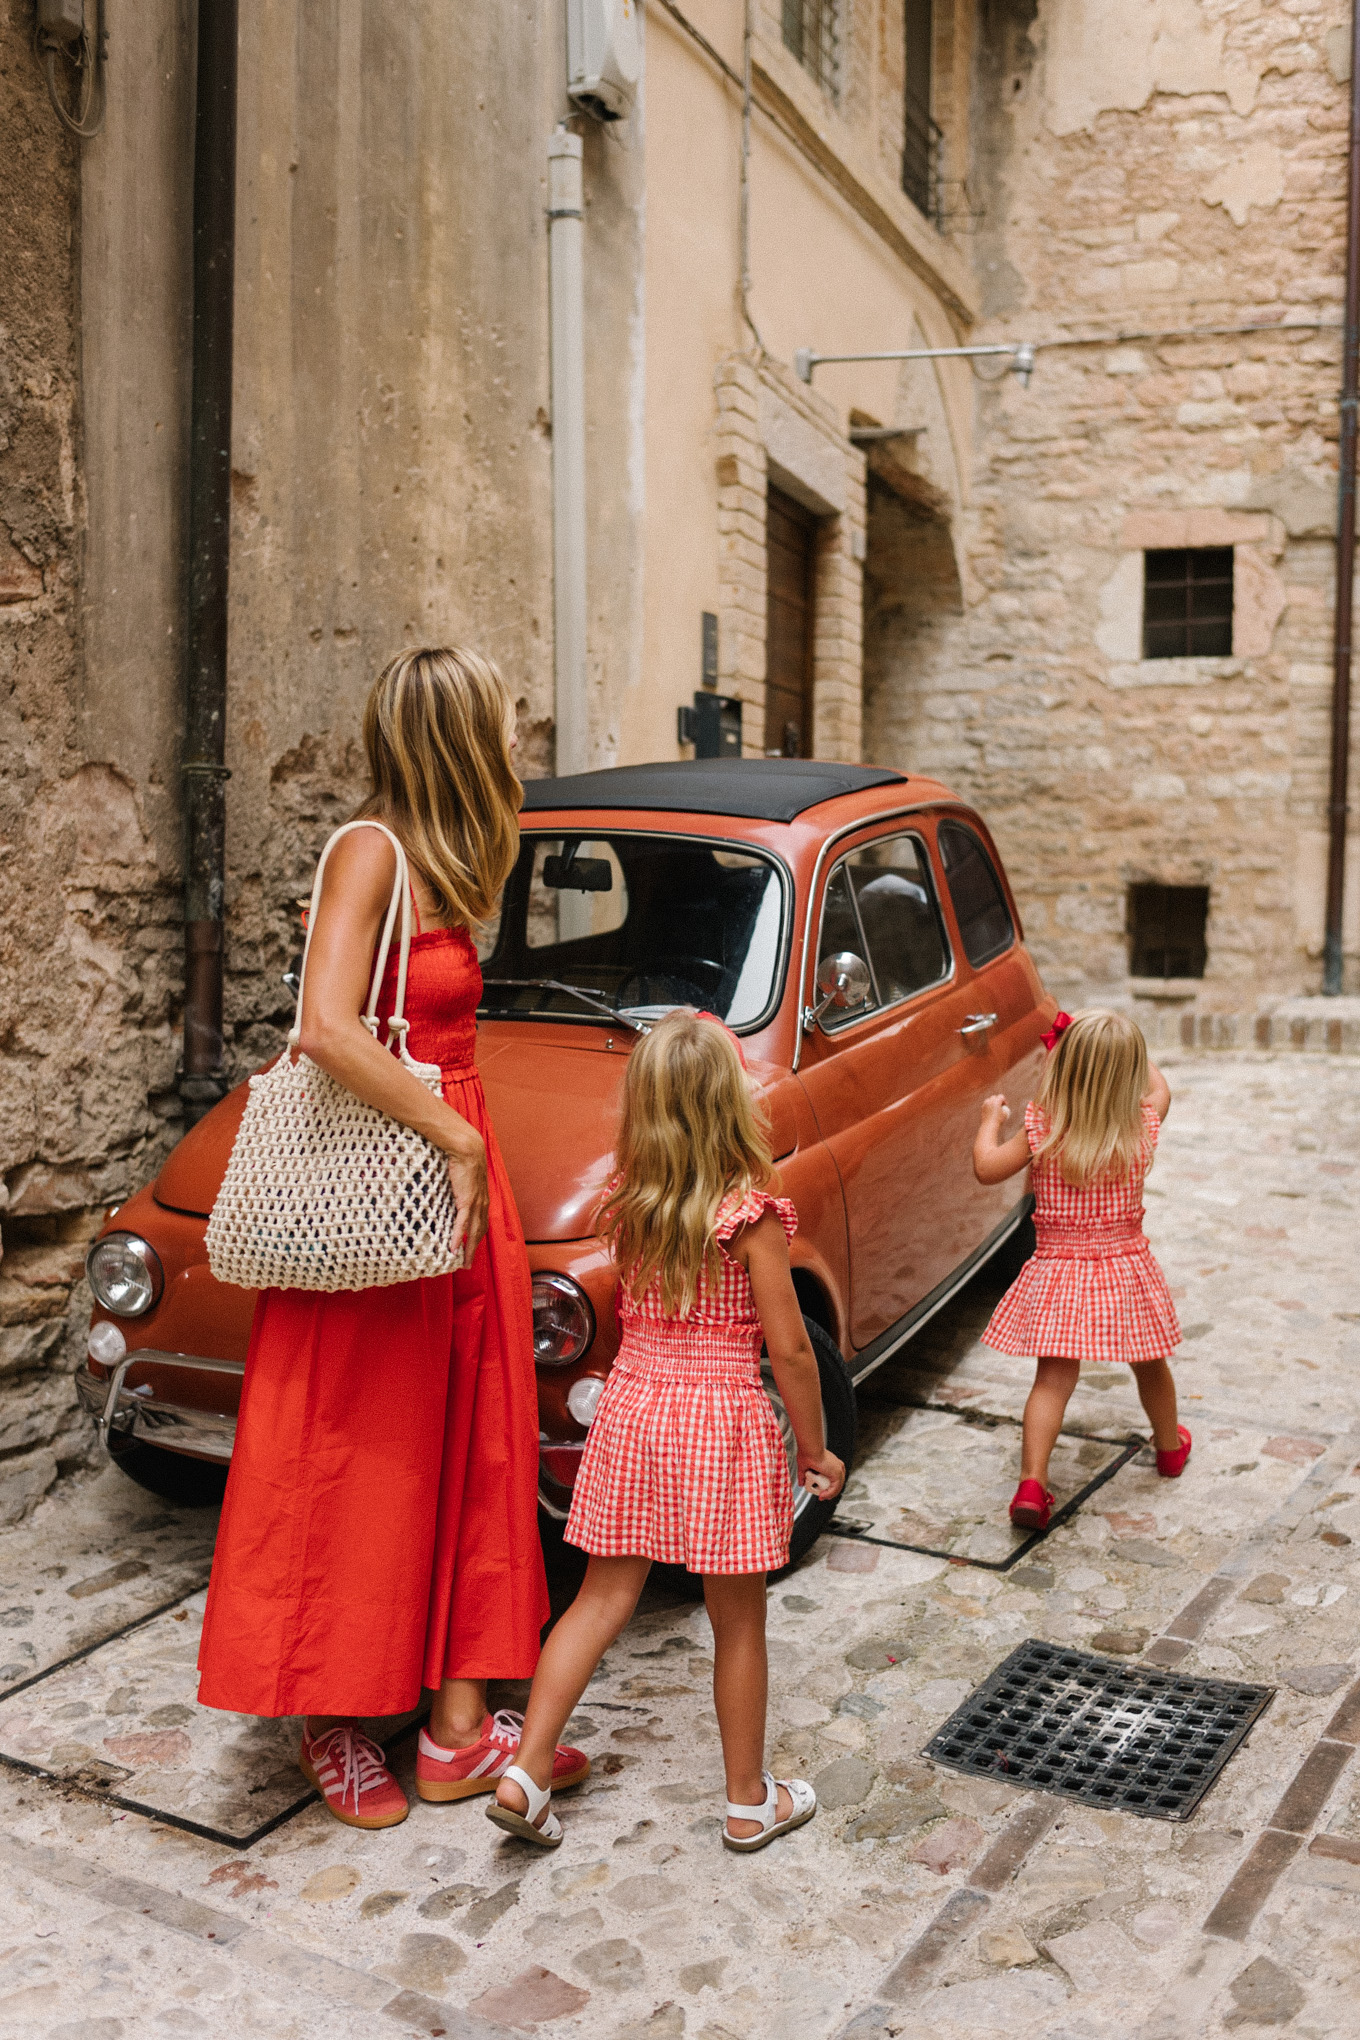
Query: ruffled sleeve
[1036,1124]
[1152,1126]
[734,1213]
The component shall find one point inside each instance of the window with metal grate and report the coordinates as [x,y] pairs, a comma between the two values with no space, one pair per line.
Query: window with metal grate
[921,139]
[1188,603]
[1166,929]
[812,30]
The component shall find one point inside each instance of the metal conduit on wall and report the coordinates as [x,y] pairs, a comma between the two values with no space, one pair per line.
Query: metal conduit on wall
[566,312]
[202,1079]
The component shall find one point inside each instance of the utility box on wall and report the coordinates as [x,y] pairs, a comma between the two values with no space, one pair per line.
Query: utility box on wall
[604,56]
[713,726]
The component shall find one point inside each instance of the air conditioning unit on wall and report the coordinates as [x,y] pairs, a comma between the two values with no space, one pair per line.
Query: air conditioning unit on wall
[603,56]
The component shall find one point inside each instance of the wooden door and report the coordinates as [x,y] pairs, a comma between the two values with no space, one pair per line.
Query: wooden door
[791,545]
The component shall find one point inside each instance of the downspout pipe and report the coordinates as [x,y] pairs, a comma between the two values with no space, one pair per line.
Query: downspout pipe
[1332,955]
[202,1080]
[566,316]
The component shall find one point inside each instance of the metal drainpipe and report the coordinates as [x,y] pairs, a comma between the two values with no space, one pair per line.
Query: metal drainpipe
[1333,960]
[202,1080]
[566,314]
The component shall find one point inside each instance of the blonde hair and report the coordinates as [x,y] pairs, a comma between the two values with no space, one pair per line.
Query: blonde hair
[689,1138]
[1092,1095]
[437,729]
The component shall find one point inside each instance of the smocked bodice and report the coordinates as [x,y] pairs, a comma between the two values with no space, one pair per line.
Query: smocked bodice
[443,986]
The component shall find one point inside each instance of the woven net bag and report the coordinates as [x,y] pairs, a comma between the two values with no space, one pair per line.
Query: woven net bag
[323,1191]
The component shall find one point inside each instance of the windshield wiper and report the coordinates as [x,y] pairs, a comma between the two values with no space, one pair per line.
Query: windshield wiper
[576,992]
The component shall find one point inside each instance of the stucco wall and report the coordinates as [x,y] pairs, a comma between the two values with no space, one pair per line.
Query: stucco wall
[1170,165]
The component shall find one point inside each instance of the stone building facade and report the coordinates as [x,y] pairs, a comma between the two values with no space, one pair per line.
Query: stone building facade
[914,174]
[1141,171]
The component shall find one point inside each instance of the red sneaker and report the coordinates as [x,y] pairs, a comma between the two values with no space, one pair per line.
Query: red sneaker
[1031,1506]
[349,1771]
[461,1774]
[1171,1465]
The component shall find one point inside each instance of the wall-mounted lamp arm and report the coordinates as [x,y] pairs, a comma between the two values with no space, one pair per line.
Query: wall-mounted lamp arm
[1021,357]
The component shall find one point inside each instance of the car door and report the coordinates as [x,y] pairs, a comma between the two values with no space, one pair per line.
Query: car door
[884,1080]
[1004,1053]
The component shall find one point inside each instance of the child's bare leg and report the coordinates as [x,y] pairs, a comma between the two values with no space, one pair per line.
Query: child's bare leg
[736,1608]
[1054,1381]
[1157,1394]
[608,1596]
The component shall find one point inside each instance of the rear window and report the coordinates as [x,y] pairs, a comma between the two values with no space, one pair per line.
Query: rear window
[985,924]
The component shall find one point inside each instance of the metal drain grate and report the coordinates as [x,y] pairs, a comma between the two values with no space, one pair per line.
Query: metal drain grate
[1119,1736]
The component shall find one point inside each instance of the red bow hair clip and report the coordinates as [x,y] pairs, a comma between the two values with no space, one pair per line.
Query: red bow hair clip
[1061,1023]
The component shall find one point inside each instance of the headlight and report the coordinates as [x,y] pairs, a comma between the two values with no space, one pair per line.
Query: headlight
[583,1399]
[564,1323]
[125,1274]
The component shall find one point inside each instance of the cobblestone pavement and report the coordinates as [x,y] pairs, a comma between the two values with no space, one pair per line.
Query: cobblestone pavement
[920,1902]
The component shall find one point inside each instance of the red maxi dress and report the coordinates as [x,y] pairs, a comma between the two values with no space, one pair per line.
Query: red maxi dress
[380,1530]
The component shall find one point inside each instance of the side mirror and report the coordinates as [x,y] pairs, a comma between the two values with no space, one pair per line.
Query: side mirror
[844,981]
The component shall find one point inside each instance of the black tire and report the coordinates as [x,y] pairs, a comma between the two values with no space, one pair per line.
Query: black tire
[810,1517]
[1011,1256]
[840,1418]
[193,1483]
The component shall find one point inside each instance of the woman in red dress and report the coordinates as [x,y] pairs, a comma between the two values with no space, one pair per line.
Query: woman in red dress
[379,1532]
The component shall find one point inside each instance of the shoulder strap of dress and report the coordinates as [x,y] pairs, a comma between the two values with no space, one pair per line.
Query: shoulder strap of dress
[752,1206]
[399,902]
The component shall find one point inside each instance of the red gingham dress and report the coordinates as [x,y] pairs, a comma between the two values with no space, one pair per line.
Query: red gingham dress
[684,1463]
[1092,1289]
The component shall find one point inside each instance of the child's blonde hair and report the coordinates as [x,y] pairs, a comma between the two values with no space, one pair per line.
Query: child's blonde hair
[437,730]
[689,1137]
[1092,1095]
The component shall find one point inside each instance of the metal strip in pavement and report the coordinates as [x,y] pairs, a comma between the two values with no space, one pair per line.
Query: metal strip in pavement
[114,1635]
[847,1530]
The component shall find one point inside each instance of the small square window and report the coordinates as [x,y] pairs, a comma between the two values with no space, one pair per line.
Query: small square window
[1166,926]
[1188,603]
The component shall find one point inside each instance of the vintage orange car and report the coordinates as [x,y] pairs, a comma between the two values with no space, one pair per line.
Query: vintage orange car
[853,925]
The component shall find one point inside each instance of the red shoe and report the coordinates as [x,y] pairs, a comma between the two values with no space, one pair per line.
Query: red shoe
[349,1771]
[1031,1506]
[461,1774]
[1171,1465]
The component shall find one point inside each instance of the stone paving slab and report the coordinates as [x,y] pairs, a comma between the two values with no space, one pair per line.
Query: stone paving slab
[642,1926]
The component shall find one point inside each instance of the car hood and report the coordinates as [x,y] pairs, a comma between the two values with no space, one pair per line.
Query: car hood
[554,1110]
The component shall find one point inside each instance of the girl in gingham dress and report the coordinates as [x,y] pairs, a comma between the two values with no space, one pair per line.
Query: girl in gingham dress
[1092,1290]
[684,1464]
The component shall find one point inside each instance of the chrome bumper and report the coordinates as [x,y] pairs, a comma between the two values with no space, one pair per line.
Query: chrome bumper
[153,1419]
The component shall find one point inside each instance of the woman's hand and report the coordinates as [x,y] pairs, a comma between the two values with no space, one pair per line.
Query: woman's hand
[821,1473]
[467,1174]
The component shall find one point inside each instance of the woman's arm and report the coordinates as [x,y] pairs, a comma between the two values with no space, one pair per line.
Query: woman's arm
[354,898]
[994,1159]
[1158,1093]
[763,1250]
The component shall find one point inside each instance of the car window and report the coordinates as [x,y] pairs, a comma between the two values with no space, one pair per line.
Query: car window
[880,903]
[985,922]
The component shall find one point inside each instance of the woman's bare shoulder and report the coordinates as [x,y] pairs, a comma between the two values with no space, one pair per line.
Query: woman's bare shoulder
[363,865]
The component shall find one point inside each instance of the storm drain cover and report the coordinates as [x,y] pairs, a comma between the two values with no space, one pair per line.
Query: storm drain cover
[1125,1737]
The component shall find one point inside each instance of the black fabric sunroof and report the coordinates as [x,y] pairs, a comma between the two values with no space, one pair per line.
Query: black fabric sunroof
[757,789]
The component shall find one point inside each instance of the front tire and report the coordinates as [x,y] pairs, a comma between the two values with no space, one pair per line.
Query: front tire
[840,1422]
[174,1476]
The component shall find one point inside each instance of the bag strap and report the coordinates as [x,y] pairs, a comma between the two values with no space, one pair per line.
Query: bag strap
[400,900]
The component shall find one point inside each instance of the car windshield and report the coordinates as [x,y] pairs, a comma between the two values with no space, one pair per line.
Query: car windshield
[635,924]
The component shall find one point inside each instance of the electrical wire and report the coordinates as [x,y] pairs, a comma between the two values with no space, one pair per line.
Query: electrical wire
[85,63]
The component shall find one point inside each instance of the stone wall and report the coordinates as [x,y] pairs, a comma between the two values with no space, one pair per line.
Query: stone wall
[88,945]
[1138,170]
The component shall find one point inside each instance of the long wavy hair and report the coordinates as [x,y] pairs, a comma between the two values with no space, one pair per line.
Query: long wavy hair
[1092,1095]
[437,730]
[690,1136]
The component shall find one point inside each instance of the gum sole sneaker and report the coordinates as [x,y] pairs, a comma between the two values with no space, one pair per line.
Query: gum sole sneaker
[1031,1506]
[349,1771]
[443,1774]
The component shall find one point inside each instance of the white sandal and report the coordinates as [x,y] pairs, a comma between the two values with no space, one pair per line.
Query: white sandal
[804,1805]
[547,1835]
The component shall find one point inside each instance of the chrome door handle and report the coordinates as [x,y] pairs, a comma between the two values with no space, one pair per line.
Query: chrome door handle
[978,1023]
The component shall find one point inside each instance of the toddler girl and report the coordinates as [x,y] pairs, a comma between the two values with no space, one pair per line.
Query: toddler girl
[1092,1290]
[684,1464]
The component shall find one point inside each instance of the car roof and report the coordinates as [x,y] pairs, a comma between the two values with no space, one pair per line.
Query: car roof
[757,789]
